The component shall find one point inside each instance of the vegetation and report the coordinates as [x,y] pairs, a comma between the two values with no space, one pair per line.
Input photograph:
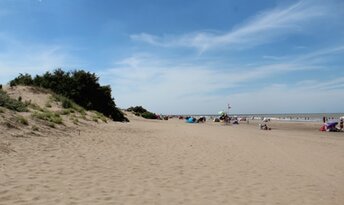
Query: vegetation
[35,107]
[12,104]
[149,115]
[48,116]
[65,112]
[140,111]
[80,86]
[137,109]
[22,120]
[69,104]
[74,120]
[98,116]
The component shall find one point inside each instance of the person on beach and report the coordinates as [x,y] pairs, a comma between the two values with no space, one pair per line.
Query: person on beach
[324,119]
[264,127]
[341,126]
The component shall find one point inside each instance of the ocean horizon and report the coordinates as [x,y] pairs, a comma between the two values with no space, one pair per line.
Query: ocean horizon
[314,117]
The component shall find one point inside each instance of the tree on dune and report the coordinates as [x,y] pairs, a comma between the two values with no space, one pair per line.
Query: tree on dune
[80,86]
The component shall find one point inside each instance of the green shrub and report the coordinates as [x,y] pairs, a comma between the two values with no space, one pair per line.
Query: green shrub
[80,86]
[48,116]
[67,103]
[79,109]
[149,115]
[140,111]
[137,109]
[98,116]
[12,104]
[22,79]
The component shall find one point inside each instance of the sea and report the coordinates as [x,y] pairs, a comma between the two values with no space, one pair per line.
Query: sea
[293,117]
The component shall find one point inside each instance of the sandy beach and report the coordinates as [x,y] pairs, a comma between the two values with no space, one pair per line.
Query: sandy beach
[173,162]
[114,102]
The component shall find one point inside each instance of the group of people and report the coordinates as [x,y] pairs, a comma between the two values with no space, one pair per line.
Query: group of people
[264,127]
[194,120]
[227,119]
[332,126]
[327,126]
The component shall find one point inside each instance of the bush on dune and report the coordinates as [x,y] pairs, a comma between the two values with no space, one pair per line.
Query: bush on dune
[137,109]
[149,115]
[48,116]
[140,111]
[12,104]
[80,86]
[68,104]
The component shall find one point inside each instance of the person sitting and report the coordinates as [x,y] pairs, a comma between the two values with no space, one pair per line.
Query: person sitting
[201,119]
[331,127]
[264,127]
[216,120]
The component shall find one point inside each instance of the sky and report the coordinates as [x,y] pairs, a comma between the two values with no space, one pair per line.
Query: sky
[186,57]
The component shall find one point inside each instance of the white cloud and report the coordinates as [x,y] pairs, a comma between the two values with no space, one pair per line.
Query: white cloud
[333,84]
[279,99]
[263,28]
[310,58]
[167,87]
[323,52]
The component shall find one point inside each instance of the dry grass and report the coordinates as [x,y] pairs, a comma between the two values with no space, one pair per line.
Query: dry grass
[22,120]
[48,116]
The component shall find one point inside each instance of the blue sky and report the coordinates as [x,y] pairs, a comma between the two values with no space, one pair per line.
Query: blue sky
[178,57]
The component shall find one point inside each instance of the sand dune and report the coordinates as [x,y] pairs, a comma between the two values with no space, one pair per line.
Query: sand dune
[171,162]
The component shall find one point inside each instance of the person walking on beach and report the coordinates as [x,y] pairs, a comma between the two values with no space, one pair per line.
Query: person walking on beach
[324,119]
[341,124]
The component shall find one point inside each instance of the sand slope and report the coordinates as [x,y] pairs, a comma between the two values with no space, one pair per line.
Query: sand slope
[171,162]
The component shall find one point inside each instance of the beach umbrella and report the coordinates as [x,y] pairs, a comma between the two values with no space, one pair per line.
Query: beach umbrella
[190,120]
[222,112]
[331,124]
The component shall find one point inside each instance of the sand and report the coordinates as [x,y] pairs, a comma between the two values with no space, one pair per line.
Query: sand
[172,162]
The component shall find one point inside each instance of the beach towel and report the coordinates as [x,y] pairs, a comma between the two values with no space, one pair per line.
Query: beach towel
[323,128]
